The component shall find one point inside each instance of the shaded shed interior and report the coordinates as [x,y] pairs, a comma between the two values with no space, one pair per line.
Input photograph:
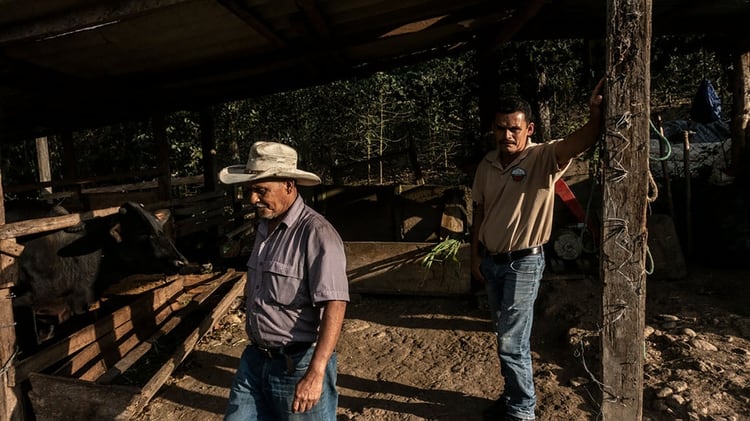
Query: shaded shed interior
[72,64]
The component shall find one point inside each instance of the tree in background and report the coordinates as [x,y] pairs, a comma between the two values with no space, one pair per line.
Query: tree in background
[343,127]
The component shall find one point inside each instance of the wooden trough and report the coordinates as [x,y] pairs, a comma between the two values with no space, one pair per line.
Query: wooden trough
[88,363]
[396,268]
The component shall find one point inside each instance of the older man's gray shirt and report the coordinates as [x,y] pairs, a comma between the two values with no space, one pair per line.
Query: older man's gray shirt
[291,270]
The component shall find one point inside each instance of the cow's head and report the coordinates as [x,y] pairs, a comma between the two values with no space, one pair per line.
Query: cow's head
[140,239]
[132,239]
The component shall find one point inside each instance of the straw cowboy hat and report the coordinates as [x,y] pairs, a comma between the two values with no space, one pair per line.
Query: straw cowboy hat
[268,160]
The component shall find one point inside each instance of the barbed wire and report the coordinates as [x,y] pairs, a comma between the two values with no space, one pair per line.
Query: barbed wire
[7,365]
[617,230]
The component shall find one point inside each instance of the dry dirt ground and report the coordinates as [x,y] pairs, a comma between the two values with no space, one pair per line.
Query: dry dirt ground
[427,358]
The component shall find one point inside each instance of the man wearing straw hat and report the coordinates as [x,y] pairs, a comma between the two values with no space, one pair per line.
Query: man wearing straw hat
[296,296]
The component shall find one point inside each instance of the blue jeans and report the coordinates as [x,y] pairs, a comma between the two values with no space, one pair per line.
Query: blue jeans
[263,389]
[511,290]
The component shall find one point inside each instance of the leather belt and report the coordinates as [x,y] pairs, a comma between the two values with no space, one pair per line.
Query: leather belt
[510,256]
[288,349]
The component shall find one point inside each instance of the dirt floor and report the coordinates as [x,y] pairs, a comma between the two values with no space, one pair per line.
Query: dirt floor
[426,358]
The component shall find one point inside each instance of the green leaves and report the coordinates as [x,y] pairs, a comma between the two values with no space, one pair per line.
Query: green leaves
[442,252]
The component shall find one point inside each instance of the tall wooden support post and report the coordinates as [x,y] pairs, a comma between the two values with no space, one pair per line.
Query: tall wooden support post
[741,114]
[42,158]
[208,146]
[10,403]
[624,236]
[162,155]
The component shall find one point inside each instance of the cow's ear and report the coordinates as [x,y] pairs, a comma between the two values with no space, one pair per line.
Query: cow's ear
[116,232]
[162,215]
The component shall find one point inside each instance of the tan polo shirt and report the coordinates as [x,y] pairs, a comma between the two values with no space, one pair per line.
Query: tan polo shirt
[517,200]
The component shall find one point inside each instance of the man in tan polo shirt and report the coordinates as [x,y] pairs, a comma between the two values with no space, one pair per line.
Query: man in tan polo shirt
[513,195]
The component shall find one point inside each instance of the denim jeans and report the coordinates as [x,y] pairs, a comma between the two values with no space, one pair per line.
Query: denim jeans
[512,289]
[263,389]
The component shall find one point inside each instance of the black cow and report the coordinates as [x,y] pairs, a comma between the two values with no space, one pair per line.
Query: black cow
[66,270]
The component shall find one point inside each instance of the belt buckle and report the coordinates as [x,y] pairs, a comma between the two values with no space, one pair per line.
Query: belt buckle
[264,350]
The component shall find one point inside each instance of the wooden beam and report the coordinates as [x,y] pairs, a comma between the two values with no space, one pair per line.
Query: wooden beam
[10,393]
[12,249]
[21,75]
[319,51]
[58,398]
[129,359]
[315,18]
[35,226]
[95,358]
[84,180]
[42,159]
[154,384]
[624,204]
[514,24]
[92,332]
[244,12]
[162,156]
[740,125]
[111,355]
[71,21]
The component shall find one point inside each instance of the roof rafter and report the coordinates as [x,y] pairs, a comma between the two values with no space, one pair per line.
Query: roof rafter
[315,17]
[80,20]
[242,11]
[30,77]
[521,16]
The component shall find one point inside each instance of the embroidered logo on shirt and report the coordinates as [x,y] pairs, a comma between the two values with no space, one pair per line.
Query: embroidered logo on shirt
[518,174]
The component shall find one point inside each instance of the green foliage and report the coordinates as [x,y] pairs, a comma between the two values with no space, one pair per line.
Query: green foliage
[183,135]
[442,252]
[18,163]
[679,64]
[119,148]
[341,128]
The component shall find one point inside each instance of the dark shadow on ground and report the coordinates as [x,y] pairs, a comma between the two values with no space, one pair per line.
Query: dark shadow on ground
[462,311]
[437,404]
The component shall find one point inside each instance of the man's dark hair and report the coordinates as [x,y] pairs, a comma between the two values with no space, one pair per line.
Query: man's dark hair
[512,104]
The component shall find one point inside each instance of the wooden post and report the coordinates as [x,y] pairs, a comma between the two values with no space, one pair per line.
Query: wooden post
[688,193]
[162,154]
[665,169]
[740,114]
[418,176]
[10,407]
[624,204]
[42,159]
